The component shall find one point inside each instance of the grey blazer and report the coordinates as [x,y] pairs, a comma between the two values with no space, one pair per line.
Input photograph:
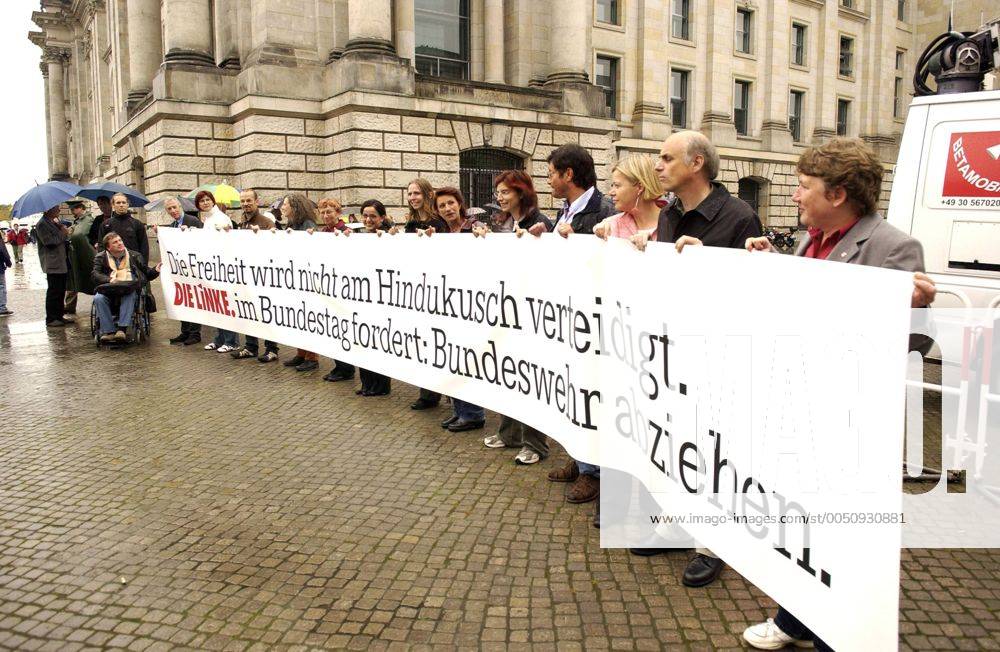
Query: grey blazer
[875,242]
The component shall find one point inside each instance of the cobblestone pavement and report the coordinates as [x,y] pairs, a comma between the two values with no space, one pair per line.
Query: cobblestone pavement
[235,505]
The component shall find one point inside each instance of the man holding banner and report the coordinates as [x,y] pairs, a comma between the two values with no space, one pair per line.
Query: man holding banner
[837,196]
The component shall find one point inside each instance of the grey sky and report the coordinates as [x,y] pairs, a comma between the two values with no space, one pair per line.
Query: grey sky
[22,119]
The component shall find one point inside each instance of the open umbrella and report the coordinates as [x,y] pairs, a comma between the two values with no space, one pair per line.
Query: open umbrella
[224,194]
[186,204]
[108,188]
[43,197]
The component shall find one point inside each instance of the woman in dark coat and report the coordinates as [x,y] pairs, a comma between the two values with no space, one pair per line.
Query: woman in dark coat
[450,206]
[420,198]
[298,213]
[374,216]
[54,257]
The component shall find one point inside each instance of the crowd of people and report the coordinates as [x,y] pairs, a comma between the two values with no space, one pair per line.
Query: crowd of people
[674,198]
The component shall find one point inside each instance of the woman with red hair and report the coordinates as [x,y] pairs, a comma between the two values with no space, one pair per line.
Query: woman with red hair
[330,217]
[518,203]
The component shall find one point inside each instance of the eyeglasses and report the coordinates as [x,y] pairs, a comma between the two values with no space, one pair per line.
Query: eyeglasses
[504,193]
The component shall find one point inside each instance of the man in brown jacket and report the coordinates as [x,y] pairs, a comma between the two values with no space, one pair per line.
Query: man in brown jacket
[254,219]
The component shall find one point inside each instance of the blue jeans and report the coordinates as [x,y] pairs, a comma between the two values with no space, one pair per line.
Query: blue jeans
[468,411]
[588,469]
[3,287]
[125,310]
[225,337]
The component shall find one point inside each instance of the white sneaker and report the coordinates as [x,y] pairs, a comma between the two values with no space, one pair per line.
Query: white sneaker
[210,346]
[527,456]
[768,636]
[494,441]
[225,348]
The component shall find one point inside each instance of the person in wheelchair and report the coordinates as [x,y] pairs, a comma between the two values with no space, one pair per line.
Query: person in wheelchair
[120,275]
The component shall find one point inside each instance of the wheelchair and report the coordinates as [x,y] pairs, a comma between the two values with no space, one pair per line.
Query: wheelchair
[136,333]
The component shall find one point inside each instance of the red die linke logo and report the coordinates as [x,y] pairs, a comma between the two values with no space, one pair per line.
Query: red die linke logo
[195,296]
[973,168]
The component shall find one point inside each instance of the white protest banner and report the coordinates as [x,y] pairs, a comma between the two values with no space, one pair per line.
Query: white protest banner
[735,404]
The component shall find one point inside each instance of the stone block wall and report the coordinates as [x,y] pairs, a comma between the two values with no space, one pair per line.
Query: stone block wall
[354,156]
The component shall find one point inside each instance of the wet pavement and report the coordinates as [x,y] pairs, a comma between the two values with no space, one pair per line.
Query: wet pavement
[168,497]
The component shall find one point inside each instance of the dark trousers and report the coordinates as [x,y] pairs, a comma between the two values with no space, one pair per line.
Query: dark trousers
[794,628]
[374,383]
[253,345]
[343,368]
[190,328]
[429,396]
[54,296]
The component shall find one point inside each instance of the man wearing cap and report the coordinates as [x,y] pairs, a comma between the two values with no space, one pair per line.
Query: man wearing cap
[81,256]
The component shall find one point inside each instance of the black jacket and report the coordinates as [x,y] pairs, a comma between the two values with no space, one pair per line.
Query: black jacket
[5,260]
[101,273]
[189,221]
[439,225]
[95,228]
[132,231]
[720,220]
[598,208]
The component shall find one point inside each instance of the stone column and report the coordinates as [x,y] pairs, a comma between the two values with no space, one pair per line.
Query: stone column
[773,43]
[227,52]
[494,42]
[145,47]
[57,115]
[369,27]
[405,31]
[828,64]
[569,55]
[48,114]
[187,32]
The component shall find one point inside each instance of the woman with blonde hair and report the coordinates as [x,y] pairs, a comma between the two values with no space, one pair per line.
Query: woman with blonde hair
[420,200]
[635,189]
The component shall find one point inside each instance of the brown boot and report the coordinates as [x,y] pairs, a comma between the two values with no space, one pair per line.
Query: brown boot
[565,473]
[583,490]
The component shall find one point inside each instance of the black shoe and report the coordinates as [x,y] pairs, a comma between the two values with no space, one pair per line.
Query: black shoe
[461,425]
[702,571]
[294,362]
[192,339]
[359,392]
[55,323]
[307,365]
[648,552]
[335,376]
[179,339]
[423,404]
[450,420]
[385,393]
[597,514]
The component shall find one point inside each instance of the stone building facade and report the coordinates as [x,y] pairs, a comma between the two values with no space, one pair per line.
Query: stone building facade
[354,98]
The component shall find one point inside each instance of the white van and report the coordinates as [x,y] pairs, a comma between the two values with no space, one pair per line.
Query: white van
[946,193]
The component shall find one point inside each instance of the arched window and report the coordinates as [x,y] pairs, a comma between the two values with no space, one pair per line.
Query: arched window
[477,169]
[750,192]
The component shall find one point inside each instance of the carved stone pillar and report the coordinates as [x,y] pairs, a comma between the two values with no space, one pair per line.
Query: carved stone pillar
[369,27]
[187,32]
[56,60]
[569,54]
[145,47]
[494,42]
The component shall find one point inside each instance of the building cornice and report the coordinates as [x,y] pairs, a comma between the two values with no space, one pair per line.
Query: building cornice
[856,14]
[815,4]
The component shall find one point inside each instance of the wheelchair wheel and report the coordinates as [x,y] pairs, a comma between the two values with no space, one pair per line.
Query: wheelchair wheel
[94,326]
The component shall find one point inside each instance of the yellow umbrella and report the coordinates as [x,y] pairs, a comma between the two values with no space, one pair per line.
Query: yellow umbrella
[224,194]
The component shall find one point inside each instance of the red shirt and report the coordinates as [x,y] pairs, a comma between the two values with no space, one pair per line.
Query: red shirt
[820,247]
[339,226]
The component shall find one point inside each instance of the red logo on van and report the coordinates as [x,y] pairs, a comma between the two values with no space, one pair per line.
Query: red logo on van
[973,168]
